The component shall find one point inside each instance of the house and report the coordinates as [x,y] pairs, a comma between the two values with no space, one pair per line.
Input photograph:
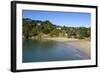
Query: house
[58,28]
[38,23]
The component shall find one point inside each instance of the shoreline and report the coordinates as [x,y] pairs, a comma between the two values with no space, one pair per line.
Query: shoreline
[84,46]
[61,39]
[81,44]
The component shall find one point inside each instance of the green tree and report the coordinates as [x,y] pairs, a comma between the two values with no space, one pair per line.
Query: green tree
[37,28]
[47,27]
[83,32]
[27,27]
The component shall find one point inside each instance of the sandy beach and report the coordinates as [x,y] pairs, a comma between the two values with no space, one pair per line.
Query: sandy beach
[82,45]
[61,39]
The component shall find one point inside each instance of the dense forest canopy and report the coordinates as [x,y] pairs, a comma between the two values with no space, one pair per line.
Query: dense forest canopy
[38,28]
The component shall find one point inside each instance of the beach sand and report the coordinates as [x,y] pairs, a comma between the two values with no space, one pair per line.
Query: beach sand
[60,39]
[82,45]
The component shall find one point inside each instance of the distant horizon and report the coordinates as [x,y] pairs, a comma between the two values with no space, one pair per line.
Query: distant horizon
[68,19]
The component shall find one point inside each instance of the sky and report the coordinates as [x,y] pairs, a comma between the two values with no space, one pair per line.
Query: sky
[72,19]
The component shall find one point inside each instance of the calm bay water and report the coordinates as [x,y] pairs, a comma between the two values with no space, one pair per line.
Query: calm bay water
[41,51]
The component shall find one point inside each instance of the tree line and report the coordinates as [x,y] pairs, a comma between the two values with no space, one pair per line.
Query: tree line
[34,28]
